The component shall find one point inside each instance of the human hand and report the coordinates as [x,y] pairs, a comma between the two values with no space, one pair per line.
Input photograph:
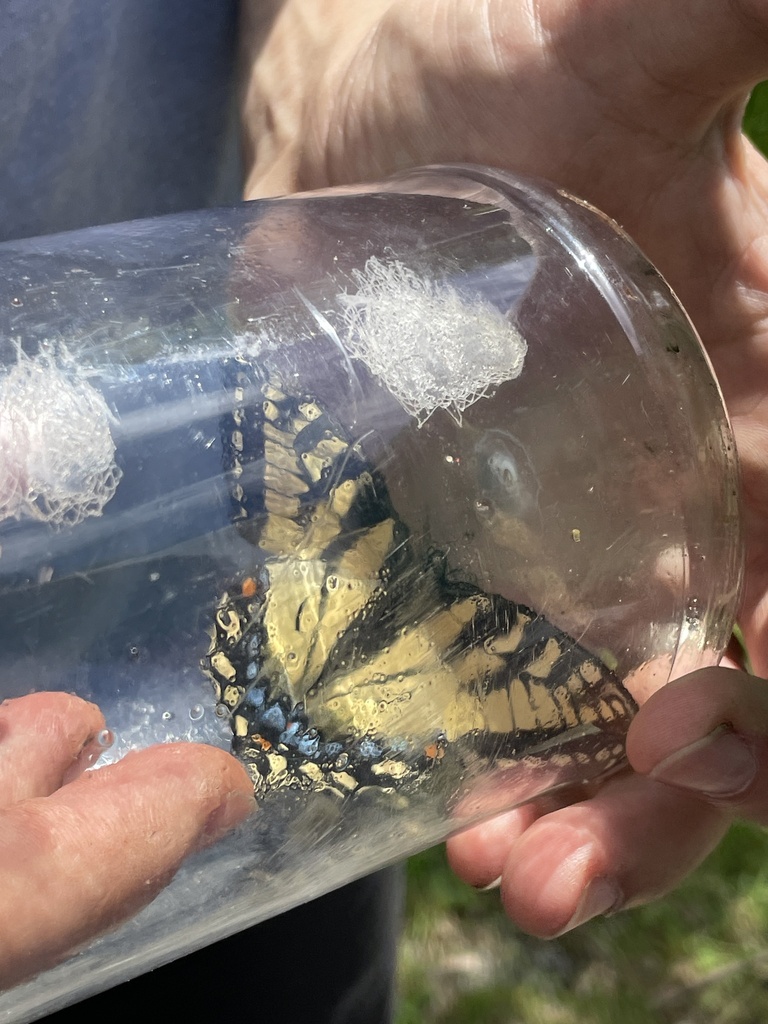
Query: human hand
[83,851]
[636,106]
[699,749]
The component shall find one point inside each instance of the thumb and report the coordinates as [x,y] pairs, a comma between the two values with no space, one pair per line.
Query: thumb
[707,734]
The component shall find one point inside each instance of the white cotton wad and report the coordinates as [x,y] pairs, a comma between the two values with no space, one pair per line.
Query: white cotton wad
[57,455]
[431,346]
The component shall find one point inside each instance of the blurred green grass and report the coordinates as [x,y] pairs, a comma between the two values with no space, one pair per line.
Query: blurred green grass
[756,117]
[699,956]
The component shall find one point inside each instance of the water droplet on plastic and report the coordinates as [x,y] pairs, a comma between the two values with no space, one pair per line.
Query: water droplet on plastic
[196,712]
[221,711]
[167,716]
[105,739]
[341,762]
[16,301]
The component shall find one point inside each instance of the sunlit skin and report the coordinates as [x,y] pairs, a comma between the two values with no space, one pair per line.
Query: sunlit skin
[81,851]
[635,105]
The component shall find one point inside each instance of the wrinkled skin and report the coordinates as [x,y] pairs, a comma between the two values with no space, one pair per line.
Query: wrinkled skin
[82,851]
[635,105]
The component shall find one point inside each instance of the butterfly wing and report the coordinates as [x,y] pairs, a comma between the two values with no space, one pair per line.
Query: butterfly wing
[350,661]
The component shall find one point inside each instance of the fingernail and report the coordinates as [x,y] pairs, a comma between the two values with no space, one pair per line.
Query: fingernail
[600,896]
[574,875]
[495,884]
[721,764]
[231,812]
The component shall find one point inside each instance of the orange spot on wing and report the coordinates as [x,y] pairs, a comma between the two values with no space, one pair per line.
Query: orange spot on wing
[249,587]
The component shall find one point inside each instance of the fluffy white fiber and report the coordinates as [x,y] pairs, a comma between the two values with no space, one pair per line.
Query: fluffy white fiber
[57,456]
[431,346]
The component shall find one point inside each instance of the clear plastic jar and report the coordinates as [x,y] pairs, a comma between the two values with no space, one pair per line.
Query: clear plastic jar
[408,492]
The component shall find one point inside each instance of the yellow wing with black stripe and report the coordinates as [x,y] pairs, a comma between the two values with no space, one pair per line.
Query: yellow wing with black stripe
[346,661]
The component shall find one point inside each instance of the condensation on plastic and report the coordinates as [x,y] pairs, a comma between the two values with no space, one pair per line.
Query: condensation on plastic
[517,374]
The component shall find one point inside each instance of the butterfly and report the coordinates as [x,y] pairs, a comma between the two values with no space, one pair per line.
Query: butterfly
[344,660]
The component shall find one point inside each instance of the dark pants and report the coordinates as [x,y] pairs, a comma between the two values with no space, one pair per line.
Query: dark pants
[329,962]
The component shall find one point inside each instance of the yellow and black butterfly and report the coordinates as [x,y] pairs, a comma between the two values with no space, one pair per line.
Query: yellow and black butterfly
[344,661]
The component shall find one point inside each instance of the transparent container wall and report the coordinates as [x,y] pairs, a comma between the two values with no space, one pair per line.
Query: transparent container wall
[408,494]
